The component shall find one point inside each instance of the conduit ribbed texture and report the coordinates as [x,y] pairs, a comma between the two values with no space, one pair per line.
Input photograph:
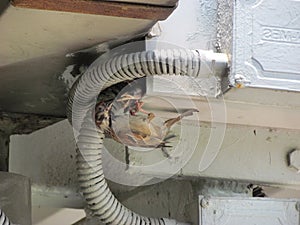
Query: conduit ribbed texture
[3,219]
[81,103]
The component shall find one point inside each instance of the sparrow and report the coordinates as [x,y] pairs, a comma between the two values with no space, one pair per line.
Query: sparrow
[138,130]
[131,97]
[102,116]
[144,131]
[132,102]
[126,97]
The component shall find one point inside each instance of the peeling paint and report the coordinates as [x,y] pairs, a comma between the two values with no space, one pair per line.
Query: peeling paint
[67,77]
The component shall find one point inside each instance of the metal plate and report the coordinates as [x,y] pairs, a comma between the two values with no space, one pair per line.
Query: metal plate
[248,211]
[266,44]
[15,198]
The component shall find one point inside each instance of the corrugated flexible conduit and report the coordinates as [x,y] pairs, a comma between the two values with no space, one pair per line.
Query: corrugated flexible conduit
[3,219]
[105,73]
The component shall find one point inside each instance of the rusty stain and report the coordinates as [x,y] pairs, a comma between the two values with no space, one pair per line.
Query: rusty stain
[238,85]
[118,9]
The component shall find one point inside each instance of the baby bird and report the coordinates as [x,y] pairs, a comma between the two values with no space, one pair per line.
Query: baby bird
[132,103]
[118,99]
[137,130]
[144,131]
[102,116]
[131,97]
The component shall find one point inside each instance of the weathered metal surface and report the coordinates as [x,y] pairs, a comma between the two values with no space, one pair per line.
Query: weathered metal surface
[254,151]
[253,154]
[247,211]
[224,26]
[44,89]
[35,72]
[208,25]
[16,123]
[53,167]
[15,198]
[51,216]
[32,33]
[273,112]
[192,25]
[266,44]
[37,89]
[247,153]
[107,8]
[258,153]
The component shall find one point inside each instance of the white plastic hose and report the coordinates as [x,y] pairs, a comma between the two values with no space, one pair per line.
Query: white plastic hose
[82,100]
[3,219]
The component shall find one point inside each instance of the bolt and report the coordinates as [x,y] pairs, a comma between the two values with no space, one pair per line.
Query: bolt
[204,203]
[294,159]
[241,81]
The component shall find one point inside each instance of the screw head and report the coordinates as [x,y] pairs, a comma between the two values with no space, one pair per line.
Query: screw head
[241,81]
[204,203]
[294,160]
